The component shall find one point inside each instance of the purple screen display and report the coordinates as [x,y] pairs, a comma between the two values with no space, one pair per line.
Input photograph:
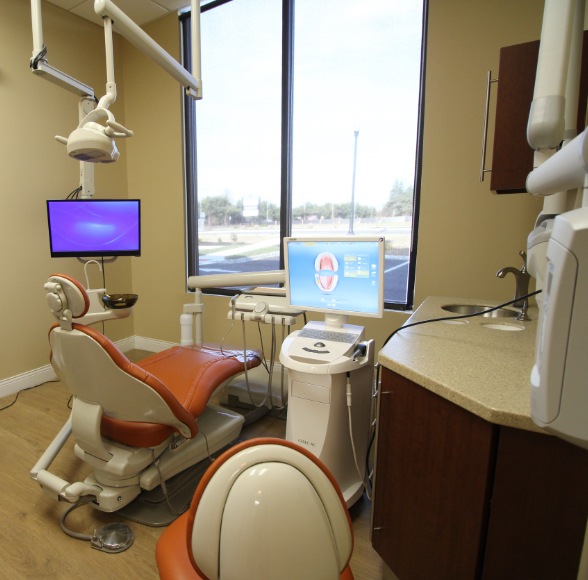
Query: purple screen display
[94,227]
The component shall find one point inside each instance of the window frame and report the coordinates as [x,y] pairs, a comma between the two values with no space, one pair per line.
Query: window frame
[287,99]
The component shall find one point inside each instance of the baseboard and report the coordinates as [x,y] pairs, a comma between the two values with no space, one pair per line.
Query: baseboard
[26,380]
[151,344]
[35,377]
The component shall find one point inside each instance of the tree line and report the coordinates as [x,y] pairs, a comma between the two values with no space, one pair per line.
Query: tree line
[219,210]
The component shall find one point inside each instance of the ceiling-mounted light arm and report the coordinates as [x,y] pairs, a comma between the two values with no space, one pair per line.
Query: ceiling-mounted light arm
[110,95]
[141,40]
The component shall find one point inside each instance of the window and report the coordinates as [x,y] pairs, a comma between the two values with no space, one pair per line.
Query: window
[310,123]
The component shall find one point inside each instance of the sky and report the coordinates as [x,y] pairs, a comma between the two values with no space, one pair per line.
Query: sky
[356,70]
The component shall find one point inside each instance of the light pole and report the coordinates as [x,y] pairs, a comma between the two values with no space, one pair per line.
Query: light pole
[352,212]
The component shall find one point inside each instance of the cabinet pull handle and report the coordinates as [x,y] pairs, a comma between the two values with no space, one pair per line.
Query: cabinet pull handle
[489,81]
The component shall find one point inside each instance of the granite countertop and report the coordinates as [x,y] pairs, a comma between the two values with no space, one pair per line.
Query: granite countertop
[482,369]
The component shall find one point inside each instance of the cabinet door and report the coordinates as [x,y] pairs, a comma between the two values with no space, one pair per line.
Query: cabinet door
[512,158]
[539,508]
[433,471]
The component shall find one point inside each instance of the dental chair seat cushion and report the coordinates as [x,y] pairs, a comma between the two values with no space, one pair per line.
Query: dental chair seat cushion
[185,377]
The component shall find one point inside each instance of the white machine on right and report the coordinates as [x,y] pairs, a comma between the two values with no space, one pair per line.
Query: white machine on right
[558,247]
[330,363]
[559,380]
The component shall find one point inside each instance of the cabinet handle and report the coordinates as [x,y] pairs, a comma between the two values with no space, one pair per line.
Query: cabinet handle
[489,81]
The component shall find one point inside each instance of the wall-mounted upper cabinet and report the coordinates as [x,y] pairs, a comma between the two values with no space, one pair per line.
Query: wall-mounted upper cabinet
[512,158]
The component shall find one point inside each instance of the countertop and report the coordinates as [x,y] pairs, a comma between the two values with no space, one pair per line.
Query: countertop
[483,370]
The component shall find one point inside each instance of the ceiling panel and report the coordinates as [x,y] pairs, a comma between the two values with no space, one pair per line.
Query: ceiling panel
[140,11]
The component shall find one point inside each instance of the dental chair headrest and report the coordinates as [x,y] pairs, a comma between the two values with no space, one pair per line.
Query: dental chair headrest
[289,501]
[66,297]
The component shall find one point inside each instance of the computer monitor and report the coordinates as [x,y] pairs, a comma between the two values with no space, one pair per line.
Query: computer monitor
[338,276]
[94,227]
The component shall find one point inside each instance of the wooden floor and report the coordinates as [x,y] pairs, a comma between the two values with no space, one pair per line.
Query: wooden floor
[32,545]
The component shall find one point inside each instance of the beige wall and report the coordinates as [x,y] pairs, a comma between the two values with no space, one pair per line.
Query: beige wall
[34,167]
[466,232]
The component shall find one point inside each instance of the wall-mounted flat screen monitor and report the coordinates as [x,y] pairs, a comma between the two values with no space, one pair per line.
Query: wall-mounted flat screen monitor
[340,276]
[94,227]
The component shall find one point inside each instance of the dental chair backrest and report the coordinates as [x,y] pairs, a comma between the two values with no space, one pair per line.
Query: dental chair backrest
[265,509]
[129,404]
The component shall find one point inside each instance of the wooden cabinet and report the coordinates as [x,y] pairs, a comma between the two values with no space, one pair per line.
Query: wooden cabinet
[512,158]
[457,497]
[539,507]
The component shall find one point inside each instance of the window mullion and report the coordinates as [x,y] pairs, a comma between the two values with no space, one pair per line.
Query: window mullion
[287,121]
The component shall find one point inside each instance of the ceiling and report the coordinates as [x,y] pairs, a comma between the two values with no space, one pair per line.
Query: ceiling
[140,11]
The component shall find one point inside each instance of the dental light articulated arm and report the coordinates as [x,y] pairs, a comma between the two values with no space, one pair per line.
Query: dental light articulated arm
[91,141]
[141,40]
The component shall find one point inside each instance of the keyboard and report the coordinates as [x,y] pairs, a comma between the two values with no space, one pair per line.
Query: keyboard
[331,335]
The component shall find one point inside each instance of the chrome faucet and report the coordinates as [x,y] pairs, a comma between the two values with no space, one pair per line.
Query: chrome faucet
[522,278]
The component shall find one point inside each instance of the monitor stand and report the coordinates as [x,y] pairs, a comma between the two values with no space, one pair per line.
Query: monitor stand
[329,397]
[336,320]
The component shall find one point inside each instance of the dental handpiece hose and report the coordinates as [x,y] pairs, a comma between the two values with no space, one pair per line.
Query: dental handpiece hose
[348,388]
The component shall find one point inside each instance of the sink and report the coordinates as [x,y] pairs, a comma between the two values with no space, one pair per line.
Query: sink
[477,308]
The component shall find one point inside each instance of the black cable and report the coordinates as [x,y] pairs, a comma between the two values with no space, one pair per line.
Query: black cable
[39,56]
[22,390]
[75,193]
[457,317]
[367,460]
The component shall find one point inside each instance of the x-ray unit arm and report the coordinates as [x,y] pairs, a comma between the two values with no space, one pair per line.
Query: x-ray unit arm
[553,114]
[552,123]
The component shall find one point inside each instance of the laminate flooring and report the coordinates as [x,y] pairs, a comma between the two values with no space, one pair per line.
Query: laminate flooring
[32,545]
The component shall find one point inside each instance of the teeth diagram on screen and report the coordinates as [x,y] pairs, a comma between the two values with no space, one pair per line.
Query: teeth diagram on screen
[326,267]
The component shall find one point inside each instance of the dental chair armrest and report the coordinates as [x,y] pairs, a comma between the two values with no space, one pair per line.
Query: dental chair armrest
[171,553]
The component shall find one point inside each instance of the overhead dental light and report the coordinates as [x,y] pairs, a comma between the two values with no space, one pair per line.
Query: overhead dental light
[93,140]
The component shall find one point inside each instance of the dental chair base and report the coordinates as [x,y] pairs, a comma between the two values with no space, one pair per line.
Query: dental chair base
[218,428]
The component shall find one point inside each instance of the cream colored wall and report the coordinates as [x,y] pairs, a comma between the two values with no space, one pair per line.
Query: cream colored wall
[34,167]
[153,109]
[466,232]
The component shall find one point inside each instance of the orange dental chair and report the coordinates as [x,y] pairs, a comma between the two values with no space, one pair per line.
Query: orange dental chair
[136,425]
[265,509]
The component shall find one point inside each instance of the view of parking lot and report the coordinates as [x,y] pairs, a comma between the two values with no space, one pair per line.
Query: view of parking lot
[253,248]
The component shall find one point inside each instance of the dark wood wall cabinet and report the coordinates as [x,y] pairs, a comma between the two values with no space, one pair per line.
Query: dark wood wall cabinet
[458,498]
[512,158]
